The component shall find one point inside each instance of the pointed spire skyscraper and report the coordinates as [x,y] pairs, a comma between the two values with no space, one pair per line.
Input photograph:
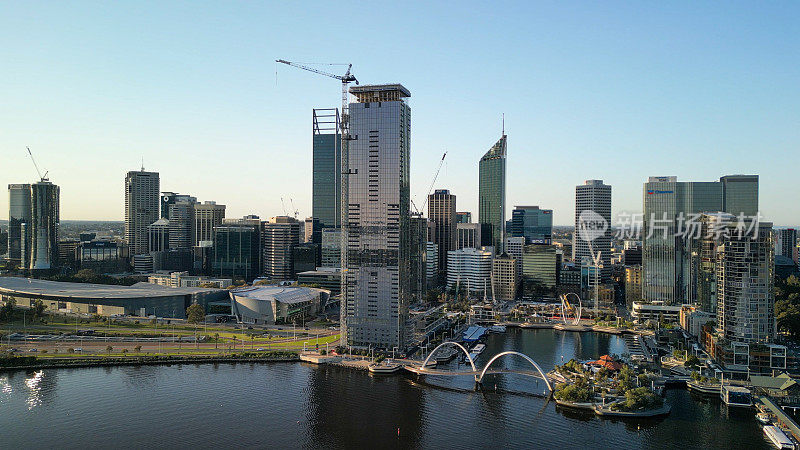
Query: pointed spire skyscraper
[492,195]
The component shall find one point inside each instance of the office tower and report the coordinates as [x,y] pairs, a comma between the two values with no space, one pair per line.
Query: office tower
[331,247]
[671,208]
[141,208]
[305,257]
[207,215]
[740,194]
[492,195]
[785,242]
[376,288]
[469,269]
[237,250]
[504,278]
[442,218]
[326,188]
[418,231]
[181,222]
[632,253]
[19,219]
[67,251]
[633,285]
[463,217]
[514,246]
[45,205]
[158,235]
[532,223]
[279,236]
[593,208]
[541,265]
[312,231]
[431,263]
[744,266]
[170,198]
[468,235]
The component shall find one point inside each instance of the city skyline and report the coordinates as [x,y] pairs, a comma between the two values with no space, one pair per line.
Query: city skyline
[600,90]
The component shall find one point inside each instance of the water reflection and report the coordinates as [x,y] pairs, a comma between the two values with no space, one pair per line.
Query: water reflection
[34,389]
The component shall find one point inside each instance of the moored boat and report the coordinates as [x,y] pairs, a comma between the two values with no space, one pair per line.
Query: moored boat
[385,368]
[778,438]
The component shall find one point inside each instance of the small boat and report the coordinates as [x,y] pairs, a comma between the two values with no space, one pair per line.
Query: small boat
[385,368]
[778,437]
[764,418]
[497,328]
[478,349]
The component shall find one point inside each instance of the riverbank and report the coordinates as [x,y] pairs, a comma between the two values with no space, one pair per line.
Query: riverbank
[82,362]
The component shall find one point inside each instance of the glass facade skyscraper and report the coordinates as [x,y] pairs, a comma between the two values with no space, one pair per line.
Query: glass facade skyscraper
[442,219]
[532,223]
[492,195]
[45,221]
[327,173]
[19,218]
[593,203]
[668,271]
[377,274]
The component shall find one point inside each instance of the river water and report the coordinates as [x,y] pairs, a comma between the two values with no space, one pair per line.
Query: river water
[295,405]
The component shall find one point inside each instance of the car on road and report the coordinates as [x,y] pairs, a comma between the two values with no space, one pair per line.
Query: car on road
[32,350]
[260,349]
[79,350]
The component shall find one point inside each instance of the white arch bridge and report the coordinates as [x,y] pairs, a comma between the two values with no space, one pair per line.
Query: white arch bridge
[479,374]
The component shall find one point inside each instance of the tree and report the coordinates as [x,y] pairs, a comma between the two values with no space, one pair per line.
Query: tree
[38,308]
[109,349]
[216,340]
[7,310]
[138,349]
[195,313]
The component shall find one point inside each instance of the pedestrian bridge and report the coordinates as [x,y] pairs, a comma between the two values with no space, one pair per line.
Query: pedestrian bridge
[479,374]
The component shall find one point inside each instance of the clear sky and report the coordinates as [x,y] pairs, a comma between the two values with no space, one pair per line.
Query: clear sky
[615,91]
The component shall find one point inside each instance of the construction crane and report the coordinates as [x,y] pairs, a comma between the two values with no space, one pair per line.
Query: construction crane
[294,210]
[39,172]
[344,126]
[435,176]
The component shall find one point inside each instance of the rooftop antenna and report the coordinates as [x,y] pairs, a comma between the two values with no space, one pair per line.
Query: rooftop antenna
[503,115]
[142,163]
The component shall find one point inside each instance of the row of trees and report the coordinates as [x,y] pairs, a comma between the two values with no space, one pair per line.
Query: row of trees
[787,305]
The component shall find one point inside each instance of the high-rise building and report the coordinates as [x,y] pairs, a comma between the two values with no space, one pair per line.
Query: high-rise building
[158,235]
[541,264]
[492,195]
[670,209]
[279,236]
[312,231]
[468,235]
[45,220]
[504,278]
[514,246]
[376,286]
[170,198]
[418,231]
[469,269]
[442,219]
[331,247]
[633,285]
[463,217]
[305,257]
[141,208]
[181,222]
[431,263]
[744,266]
[19,219]
[532,223]
[785,242]
[326,187]
[236,251]
[207,215]
[593,209]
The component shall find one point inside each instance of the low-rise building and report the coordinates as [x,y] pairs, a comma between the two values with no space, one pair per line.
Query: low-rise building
[324,277]
[269,305]
[183,279]
[656,311]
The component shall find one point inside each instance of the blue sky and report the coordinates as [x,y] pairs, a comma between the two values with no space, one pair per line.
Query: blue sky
[612,90]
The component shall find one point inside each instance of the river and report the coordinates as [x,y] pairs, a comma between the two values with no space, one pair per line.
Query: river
[295,405]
